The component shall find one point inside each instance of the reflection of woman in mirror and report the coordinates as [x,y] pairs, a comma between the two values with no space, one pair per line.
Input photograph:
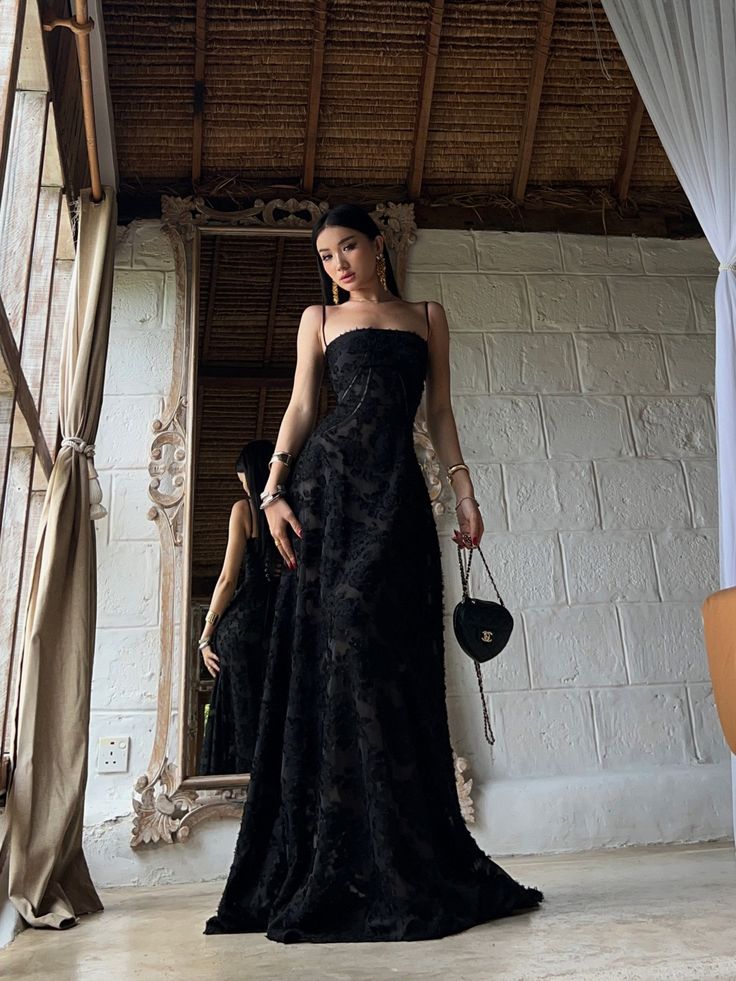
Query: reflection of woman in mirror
[352,829]
[234,642]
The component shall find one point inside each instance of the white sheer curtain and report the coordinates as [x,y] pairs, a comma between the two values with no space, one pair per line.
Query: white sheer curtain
[682,57]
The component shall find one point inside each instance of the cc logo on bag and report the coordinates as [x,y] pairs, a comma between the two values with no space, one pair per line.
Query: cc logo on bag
[486,636]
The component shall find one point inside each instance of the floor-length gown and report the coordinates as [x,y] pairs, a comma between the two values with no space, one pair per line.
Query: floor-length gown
[352,830]
[240,641]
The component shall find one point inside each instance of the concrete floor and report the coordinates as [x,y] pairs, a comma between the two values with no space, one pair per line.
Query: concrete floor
[664,913]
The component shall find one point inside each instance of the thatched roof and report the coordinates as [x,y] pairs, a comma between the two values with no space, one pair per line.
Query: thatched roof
[436,100]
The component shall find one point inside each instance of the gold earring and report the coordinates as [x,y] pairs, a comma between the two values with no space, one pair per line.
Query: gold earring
[381,266]
[335,294]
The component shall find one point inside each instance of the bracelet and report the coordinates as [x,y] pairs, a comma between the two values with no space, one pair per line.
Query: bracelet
[279,488]
[270,499]
[455,468]
[282,456]
[467,498]
[203,642]
[211,617]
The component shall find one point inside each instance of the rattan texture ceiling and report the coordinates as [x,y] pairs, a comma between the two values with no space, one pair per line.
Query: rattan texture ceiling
[251,94]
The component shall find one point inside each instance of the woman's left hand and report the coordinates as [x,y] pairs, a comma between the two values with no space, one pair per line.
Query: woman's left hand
[471,524]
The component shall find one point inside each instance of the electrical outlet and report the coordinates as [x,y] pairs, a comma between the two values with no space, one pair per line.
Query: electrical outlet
[112,755]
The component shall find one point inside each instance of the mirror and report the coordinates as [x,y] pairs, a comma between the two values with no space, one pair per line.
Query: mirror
[250,292]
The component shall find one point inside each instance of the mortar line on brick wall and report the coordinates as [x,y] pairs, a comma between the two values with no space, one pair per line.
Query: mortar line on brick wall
[525,639]
[698,329]
[543,423]
[692,311]
[529,306]
[667,375]
[563,566]
[596,734]
[611,308]
[560,251]
[505,495]
[656,565]
[597,494]
[691,717]
[632,428]
[563,267]
[576,358]
[622,635]
[486,340]
[637,243]
[688,493]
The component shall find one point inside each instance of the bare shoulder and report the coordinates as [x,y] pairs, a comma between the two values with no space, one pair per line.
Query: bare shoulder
[434,306]
[312,311]
[437,315]
[435,310]
[311,323]
[312,315]
[240,514]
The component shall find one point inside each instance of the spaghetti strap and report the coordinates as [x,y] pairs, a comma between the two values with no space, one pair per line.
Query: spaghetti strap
[426,311]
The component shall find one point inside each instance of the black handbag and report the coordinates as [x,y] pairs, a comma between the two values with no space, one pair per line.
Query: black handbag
[482,628]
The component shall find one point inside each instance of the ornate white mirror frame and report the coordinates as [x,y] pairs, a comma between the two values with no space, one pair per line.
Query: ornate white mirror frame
[168,804]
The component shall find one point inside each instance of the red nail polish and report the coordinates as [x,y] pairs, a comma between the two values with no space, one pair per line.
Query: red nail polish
[475,540]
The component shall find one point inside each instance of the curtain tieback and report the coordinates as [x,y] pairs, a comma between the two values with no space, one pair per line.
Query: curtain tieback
[78,444]
[96,510]
[727,265]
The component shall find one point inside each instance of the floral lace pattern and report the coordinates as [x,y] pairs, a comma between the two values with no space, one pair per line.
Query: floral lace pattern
[352,830]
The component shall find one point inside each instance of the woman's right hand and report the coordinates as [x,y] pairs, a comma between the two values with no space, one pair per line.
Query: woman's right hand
[280,516]
[211,661]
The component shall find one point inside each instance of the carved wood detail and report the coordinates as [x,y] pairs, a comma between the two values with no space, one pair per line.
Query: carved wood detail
[166,805]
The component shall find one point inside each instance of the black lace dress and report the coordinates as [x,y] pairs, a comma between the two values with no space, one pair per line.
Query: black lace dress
[352,830]
[240,641]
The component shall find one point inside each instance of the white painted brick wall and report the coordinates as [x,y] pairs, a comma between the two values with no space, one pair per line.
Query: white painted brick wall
[125,678]
[582,379]
[595,404]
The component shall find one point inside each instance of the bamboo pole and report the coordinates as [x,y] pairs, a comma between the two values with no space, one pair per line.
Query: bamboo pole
[88,107]
[81,25]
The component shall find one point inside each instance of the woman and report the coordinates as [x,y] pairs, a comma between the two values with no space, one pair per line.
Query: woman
[352,830]
[234,642]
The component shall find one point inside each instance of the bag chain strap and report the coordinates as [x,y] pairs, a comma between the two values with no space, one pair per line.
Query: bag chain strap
[465,577]
[465,571]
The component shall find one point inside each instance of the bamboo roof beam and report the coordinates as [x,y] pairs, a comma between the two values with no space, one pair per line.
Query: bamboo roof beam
[424,109]
[313,100]
[200,42]
[533,99]
[622,181]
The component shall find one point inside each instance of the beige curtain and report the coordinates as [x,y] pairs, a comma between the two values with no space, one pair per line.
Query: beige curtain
[49,881]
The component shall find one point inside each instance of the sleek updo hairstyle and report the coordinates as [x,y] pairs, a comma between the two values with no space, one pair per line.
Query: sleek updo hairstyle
[355,217]
[253,462]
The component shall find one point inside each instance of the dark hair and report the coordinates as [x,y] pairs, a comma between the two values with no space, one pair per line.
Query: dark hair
[253,462]
[355,217]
